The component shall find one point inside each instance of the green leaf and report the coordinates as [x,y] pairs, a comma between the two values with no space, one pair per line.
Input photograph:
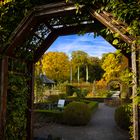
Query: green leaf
[116,35]
[67,1]
[115,42]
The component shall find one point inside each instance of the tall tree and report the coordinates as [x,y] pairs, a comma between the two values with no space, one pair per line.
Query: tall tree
[79,59]
[95,70]
[90,67]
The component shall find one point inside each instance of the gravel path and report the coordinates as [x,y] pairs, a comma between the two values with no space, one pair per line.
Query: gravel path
[101,127]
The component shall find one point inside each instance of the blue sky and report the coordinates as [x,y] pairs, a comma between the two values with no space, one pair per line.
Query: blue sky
[87,43]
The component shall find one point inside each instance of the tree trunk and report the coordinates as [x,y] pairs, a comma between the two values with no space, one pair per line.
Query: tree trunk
[86,74]
[70,74]
[78,75]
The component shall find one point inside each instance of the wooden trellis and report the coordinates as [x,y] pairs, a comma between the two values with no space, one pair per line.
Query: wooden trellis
[40,29]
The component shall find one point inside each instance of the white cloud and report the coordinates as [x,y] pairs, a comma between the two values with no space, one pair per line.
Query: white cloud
[94,47]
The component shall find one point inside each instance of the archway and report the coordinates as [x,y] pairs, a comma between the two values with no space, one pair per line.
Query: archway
[115,85]
[118,85]
[39,29]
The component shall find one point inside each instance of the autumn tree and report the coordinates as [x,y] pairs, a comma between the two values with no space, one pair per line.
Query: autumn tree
[55,65]
[113,64]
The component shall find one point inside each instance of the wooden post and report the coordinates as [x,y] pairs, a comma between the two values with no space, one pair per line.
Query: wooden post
[138,70]
[30,101]
[3,95]
[134,94]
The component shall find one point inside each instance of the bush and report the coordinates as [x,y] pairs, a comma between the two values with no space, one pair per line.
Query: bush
[93,106]
[53,98]
[62,96]
[70,90]
[77,113]
[102,93]
[122,116]
[49,115]
[80,92]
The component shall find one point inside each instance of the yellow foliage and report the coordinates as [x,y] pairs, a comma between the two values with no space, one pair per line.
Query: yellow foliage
[4,2]
[113,65]
[102,84]
[90,95]
[55,65]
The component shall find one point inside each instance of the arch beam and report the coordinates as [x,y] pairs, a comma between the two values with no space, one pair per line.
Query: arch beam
[44,46]
[107,21]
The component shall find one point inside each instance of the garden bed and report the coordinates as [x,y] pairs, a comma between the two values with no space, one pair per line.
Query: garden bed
[57,115]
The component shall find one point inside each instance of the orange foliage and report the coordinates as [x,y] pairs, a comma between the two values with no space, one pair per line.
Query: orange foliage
[102,84]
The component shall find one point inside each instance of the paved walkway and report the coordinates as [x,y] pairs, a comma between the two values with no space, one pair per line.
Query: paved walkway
[101,127]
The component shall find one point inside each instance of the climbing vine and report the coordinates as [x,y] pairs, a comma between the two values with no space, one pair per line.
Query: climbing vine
[16,116]
[16,108]
[11,14]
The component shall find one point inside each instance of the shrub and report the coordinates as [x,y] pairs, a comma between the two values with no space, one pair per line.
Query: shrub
[102,93]
[77,113]
[49,115]
[69,90]
[84,92]
[93,106]
[41,105]
[122,116]
[80,91]
[62,96]
[53,98]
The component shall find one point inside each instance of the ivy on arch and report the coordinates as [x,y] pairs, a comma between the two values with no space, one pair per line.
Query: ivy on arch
[26,31]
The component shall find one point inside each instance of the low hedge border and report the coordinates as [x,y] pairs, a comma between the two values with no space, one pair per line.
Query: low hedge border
[77,113]
[57,115]
[93,106]
[49,115]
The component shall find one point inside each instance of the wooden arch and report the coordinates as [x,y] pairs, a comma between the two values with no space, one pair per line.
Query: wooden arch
[45,16]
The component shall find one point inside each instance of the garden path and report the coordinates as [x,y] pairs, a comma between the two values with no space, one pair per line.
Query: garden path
[101,127]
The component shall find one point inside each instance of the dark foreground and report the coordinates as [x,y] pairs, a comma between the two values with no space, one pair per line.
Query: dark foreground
[101,127]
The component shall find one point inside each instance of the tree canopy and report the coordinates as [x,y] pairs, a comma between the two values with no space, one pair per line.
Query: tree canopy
[55,65]
[114,64]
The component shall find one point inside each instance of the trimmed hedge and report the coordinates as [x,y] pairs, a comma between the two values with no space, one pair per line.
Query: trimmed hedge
[93,106]
[51,115]
[122,116]
[77,113]
[70,90]
[53,98]
[80,91]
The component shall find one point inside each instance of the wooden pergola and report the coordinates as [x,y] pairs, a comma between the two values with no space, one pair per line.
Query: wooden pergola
[37,31]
